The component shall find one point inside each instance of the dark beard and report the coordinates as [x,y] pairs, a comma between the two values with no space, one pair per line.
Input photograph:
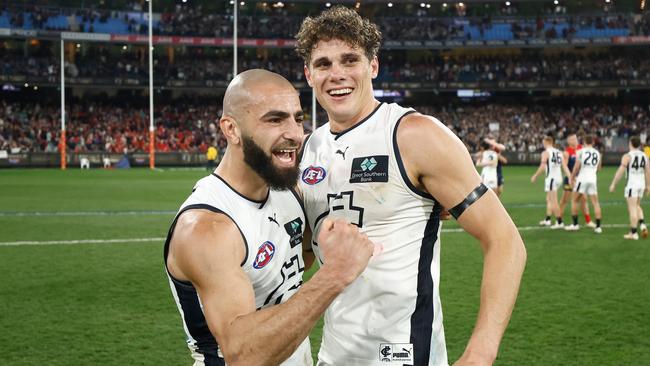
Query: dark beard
[278,179]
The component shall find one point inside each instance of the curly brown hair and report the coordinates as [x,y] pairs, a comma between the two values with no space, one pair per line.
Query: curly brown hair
[339,23]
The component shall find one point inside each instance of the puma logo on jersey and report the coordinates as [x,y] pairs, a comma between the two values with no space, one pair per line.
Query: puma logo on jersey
[338,151]
[272,219]
[396,352]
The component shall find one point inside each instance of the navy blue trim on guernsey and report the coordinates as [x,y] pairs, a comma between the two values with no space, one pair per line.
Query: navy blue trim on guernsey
[341,133]
[400,163]
[188,298]
[196,324]
[261,202]
[304,144]
[422,317]
[302,205]
[203,207]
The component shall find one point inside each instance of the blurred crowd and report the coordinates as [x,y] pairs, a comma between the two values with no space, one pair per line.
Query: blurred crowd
[113,129]
[192,127]
[274,23]
[521,127]
[395,66]
[560,67]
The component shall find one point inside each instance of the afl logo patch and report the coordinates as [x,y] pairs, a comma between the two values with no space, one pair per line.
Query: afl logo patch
[313,175]
[264,255]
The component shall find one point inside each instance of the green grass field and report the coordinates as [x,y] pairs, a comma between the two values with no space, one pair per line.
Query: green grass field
[585,298]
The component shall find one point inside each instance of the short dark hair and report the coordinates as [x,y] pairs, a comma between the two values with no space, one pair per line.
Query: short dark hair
[635,141]
[549,139]
[589,139]
[341,23]
[486,145]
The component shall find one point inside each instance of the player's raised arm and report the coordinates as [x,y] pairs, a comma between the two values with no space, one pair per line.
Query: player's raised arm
[440,164]
[207,250]
[625,160]
[542,165]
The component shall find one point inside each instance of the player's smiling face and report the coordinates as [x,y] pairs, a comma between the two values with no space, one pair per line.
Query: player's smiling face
[342,77]
[272,142]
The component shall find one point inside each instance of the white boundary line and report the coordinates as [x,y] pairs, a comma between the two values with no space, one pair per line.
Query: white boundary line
[86,241]
[162,239]
[84,213]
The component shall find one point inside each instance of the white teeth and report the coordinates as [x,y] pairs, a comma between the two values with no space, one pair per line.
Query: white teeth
[340,91]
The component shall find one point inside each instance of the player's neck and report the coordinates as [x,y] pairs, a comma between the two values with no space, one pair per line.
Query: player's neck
[338,125]
[242,178]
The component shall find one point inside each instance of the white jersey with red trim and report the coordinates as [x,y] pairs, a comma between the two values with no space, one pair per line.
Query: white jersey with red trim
[391,314]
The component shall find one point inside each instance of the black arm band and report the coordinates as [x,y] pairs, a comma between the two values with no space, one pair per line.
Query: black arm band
[472,197]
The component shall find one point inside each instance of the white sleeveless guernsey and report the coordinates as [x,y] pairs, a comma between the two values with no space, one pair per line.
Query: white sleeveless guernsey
[391,314]
[635,172]
[272,230]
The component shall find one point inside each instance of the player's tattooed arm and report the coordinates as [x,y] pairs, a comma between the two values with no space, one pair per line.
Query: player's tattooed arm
[444,169]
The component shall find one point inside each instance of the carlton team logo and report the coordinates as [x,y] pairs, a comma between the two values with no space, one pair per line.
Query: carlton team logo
[313,175]
[264,255]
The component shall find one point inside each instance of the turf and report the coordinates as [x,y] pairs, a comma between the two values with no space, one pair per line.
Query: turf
[584,298]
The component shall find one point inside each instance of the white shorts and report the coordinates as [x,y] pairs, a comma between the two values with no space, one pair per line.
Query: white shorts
[586,187]
[633,191]
[552,184]
[490,181]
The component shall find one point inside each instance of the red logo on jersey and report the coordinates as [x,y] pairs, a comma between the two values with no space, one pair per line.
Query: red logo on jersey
[313,175]
[264,255]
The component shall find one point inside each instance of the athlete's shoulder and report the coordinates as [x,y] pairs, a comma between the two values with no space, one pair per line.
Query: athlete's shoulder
[314,138]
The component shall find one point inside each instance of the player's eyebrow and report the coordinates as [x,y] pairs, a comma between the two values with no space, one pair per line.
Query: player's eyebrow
[321,60]
[350,56]
[275,115]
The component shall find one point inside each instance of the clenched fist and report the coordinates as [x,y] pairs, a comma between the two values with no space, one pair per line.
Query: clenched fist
[344,250]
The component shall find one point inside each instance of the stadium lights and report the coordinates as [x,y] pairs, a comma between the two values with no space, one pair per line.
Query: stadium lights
[556,2]
[444,5]
[428,6]
[279,4]
[422,5]
[184,1]
[327,5]
[35,87]
[390,5]
[642,5]
[26,85]
[242,3]
[232,2]
[124,47]
[507,3]
[608,1]
[78,45]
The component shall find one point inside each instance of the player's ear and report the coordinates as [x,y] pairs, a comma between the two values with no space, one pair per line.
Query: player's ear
[230,130]
[374,66]
[308,75]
